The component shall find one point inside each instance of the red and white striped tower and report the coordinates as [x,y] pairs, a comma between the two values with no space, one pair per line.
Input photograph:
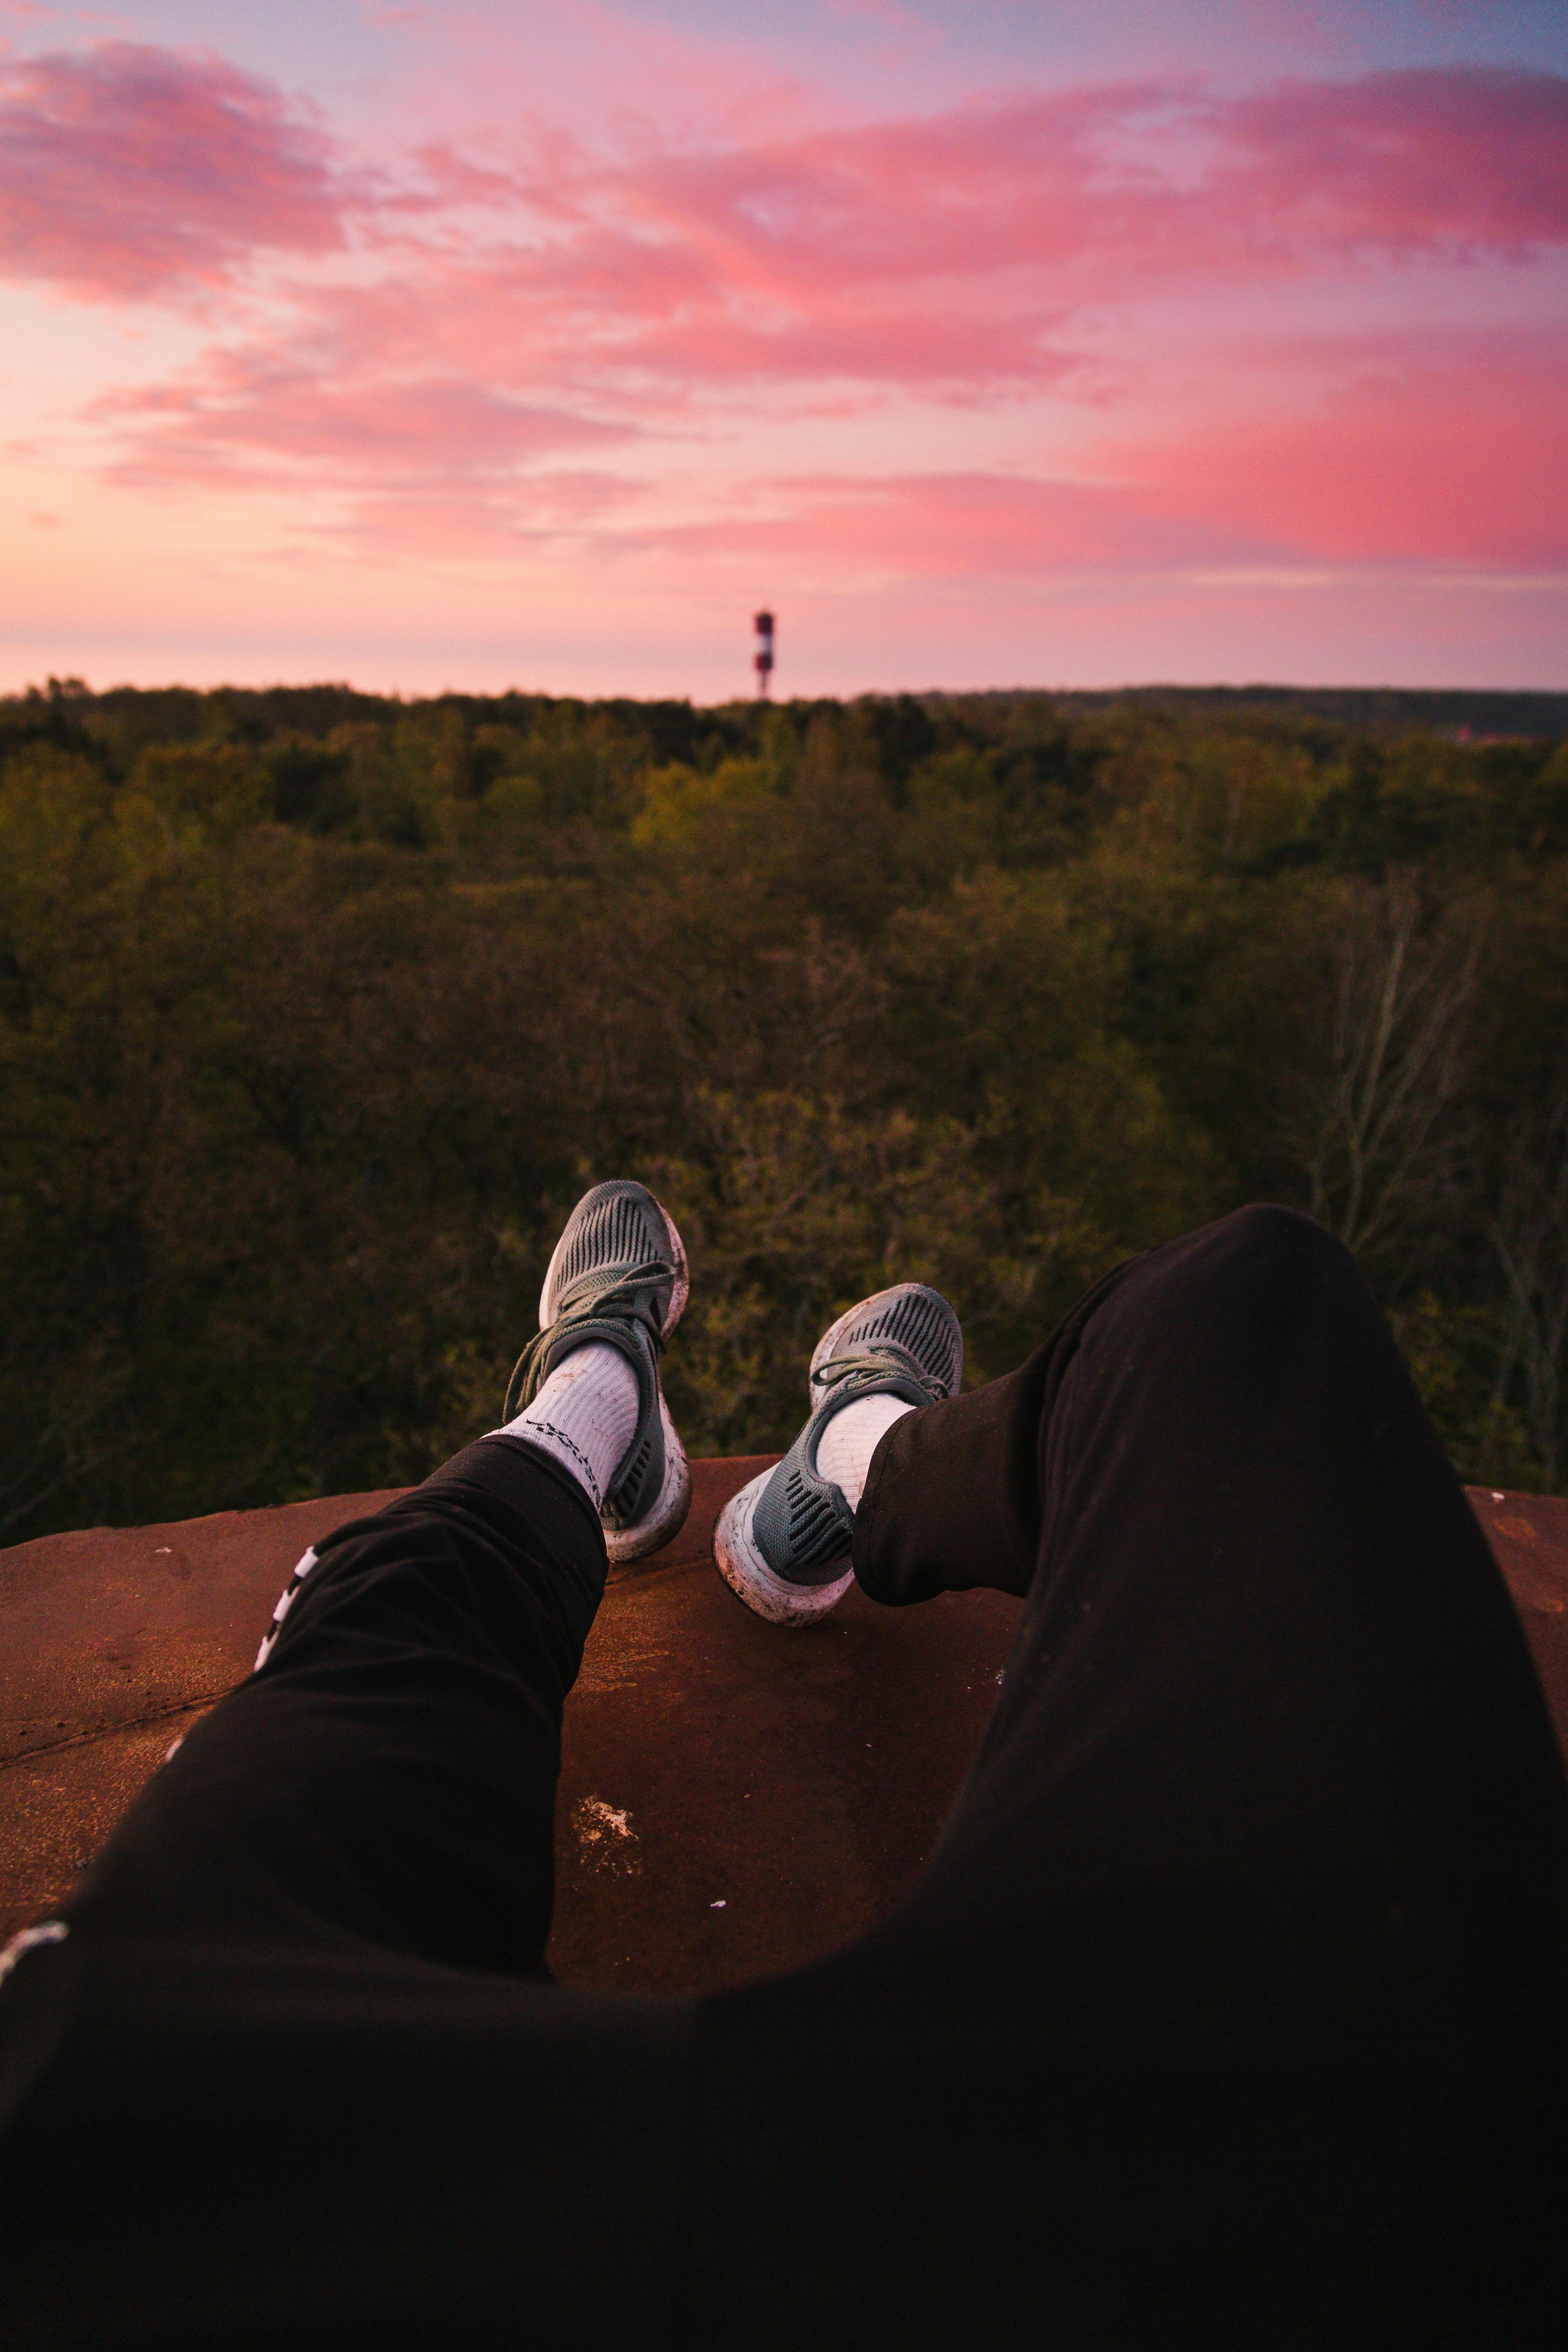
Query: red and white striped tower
[763,661]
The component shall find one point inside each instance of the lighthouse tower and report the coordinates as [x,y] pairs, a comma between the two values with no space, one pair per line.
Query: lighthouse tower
[763,661]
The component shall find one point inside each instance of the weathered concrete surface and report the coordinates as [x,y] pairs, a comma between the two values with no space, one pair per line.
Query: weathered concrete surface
[113,1640]
[112,1626]
[733,1799]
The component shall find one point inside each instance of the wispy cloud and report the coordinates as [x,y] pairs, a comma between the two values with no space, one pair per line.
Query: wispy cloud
[134,173]
[1463,159]
[1426,454]
[253,416]
[949,526]
[952,250]
[434,344]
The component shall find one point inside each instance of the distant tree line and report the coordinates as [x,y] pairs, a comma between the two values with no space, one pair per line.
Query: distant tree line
[318,1009]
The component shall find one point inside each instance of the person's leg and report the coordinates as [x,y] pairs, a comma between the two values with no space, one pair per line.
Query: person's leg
[1260,1610]
[1232,2003]
[284,2080]
[387,1776]
[283,2077]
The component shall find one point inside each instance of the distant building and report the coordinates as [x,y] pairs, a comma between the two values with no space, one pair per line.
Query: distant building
[762,662]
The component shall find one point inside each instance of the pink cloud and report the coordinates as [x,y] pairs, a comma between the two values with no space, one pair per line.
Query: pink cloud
[950,526]
[128,172]
[958,253]
[835,534]
[248,414]
[136,171]
[649,324]
[1471,159]
[1420,456]
[954,256]
[434,518]
[504,316]
[1122,182]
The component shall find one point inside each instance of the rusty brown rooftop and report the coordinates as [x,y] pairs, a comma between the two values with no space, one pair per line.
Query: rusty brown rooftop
[733,1799]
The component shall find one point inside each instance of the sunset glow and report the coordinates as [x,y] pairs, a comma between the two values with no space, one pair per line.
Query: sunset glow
[989,344]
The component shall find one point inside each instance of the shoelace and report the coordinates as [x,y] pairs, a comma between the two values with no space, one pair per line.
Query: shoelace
[888,1356]
[591,1297]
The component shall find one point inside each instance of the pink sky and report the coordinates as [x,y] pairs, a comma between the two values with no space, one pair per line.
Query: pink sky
[991,344]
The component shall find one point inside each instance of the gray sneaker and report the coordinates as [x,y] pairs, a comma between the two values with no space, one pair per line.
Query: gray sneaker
[619,1275]
[782,1542]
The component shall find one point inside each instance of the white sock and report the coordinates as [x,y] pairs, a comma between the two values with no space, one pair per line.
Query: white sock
[844,1450]
[585,1416]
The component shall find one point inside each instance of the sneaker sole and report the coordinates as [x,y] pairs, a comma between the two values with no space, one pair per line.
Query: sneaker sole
[748,1575]
[667,1516]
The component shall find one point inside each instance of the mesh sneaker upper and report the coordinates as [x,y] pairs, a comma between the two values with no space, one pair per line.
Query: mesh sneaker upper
[613,1229]
[916,1321]
[903,1342]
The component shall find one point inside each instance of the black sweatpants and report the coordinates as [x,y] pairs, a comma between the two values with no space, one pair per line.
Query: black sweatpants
[1232,2008]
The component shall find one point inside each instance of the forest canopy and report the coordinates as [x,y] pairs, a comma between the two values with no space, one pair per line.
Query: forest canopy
[319,1009]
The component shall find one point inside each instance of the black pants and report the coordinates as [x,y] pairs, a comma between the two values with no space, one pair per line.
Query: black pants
[1231,2008]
